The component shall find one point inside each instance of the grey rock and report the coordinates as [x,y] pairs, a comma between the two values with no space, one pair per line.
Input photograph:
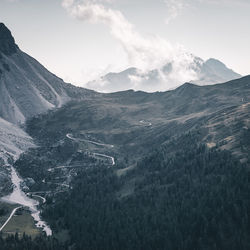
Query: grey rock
[7,42]
[26,87]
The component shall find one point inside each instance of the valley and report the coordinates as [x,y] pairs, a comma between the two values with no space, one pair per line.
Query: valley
[126,170]
[105,137]
[112,138]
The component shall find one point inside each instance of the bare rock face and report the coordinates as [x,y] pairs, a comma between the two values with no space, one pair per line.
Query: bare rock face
[26,87]
[7,42]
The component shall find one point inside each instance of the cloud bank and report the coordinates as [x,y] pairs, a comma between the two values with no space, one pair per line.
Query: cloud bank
[144,53]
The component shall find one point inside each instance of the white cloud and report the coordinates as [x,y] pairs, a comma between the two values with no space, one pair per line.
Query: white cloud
[145,53]
[174,8]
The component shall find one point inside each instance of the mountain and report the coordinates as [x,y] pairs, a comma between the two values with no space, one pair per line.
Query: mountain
[26,87]
[133,120]
[168,77]
[164,170]
[214,71]
[13,142]
[131,169]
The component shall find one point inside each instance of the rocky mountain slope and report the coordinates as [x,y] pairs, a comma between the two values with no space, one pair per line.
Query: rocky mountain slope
[13,142]
[26,87]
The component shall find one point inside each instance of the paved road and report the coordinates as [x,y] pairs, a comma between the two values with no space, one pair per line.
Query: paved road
[97,143]
[147,124]
[106,156]
[38,196]
[92,142]
[11,215]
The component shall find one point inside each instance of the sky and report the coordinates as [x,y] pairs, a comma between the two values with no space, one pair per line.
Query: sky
[81,40]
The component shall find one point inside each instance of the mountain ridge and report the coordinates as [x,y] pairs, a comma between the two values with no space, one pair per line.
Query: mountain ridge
[7,42]
[26,87]
[208,72]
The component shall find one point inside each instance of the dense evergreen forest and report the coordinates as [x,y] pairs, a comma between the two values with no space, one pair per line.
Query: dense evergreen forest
[14,242]
[194,198]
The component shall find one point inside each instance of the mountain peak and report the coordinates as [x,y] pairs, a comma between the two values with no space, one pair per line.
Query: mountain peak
[7,41]
[213,61]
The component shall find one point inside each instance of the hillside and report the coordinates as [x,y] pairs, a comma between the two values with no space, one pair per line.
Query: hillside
[146,171]
[126,170]
[128,119]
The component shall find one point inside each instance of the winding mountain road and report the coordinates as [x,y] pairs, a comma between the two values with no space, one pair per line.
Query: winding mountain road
[69,136]
[92,142]
[145,123]
[38,196]
[106,156]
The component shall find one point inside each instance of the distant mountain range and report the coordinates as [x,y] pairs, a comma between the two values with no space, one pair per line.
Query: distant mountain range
[202,72]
